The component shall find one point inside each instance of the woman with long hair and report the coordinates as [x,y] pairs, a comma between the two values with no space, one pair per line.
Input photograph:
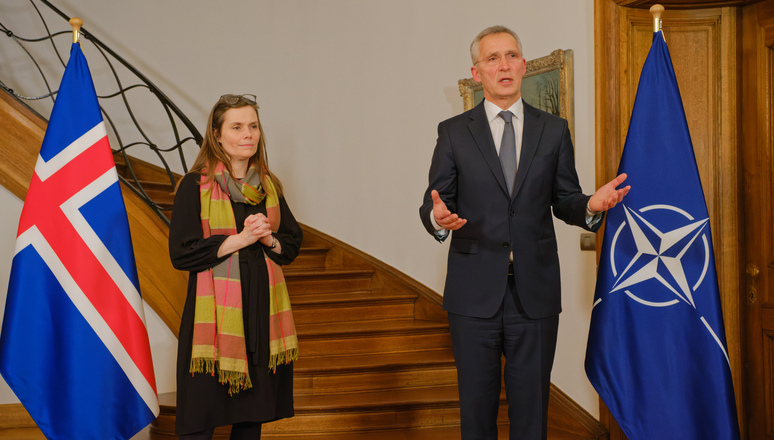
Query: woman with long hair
[232,231]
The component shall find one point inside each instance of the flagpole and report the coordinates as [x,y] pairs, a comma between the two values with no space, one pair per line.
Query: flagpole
[76,23]
[656,10]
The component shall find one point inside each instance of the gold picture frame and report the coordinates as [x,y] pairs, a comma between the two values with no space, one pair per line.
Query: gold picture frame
[548,84]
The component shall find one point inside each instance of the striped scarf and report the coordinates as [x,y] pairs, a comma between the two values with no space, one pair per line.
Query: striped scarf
[219,336]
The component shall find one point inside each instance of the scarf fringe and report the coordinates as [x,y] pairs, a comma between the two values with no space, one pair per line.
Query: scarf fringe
[236,381]
[283,358]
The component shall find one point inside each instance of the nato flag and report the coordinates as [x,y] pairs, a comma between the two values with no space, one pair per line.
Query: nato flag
[657,350]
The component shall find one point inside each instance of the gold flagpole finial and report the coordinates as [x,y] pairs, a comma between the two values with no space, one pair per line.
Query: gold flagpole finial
[656,10]
[76,23]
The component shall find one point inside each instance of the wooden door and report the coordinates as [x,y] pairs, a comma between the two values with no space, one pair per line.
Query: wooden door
[758,211]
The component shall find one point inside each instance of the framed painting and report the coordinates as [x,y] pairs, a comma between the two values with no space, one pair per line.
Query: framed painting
[547,85]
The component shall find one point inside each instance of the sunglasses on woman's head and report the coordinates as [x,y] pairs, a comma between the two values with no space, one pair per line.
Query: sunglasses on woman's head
[232,99]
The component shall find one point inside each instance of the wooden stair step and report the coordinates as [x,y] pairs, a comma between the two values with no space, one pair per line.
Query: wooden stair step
[355,374]
[160,192]
[426,433]
[22,434]
[164,186]
[350,413]
[339,384]
[429,433]
[322,281]
[370,362]
[391,409]
[351,306]
[312,299]
[358,328]
[449,431]
[441,396]
[310,258]
[423,433]
[144,171]
[401,335]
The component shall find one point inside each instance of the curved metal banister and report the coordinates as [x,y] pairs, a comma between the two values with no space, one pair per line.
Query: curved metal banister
[182,132]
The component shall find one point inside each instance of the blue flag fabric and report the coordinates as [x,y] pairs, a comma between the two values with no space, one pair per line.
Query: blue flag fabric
[657,351]
[74,347]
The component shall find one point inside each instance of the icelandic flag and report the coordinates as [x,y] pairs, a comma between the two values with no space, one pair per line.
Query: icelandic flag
[74,347]
[657,351]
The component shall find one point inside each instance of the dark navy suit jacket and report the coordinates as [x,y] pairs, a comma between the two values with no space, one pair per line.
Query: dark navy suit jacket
[466,172]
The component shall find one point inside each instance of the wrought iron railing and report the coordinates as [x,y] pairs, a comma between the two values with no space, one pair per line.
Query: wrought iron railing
[128,99]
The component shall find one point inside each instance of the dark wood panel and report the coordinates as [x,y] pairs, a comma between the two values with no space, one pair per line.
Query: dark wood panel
[766,384]
[683,4]
[758,211]
[766,20]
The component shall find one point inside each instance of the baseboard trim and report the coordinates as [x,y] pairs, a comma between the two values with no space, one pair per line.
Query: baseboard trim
[568,417]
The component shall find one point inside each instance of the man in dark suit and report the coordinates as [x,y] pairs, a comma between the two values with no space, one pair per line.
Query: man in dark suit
[502,290]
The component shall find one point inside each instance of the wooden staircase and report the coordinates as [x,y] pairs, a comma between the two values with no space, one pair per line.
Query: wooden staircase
[375,362]
[376,359]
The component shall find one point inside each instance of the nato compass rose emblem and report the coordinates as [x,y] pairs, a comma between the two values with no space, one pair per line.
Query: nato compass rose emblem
[660,256]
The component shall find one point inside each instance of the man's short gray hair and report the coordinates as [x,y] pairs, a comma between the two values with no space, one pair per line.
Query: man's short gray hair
[489,31]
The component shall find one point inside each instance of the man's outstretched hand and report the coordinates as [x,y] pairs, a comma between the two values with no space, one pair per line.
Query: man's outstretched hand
[607,195]
[443,216]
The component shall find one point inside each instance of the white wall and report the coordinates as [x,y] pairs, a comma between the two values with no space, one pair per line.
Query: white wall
[351,92]
[10,220]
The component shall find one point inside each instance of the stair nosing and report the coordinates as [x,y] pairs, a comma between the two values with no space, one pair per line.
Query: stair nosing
[341,299]
[328,273]
[368,328]
[403,361]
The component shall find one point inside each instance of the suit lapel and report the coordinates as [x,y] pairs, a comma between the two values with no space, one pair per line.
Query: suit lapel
[482,134]
[530,138]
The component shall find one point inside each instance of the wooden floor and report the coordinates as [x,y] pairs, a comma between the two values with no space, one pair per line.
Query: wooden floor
[443,433]
[22,434]
[447,433]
